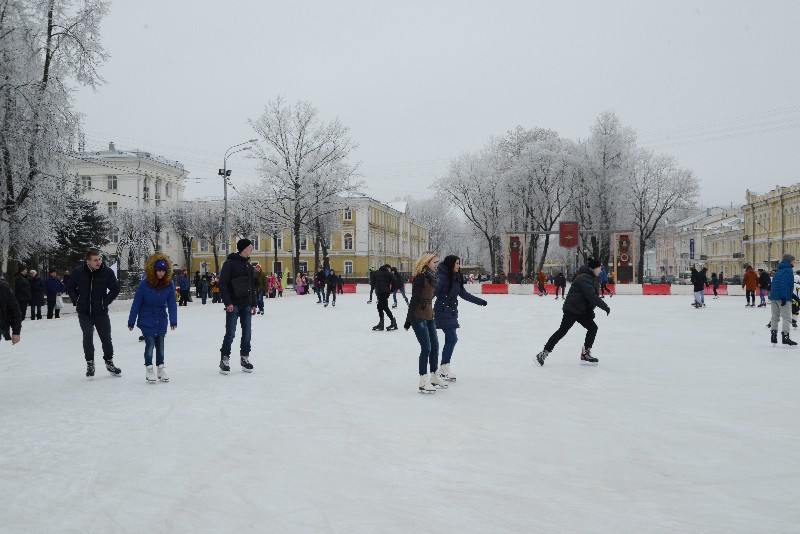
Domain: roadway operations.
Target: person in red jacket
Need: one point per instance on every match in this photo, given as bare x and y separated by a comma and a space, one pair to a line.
749, 284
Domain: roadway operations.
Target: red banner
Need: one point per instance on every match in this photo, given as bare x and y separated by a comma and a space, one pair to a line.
568, 234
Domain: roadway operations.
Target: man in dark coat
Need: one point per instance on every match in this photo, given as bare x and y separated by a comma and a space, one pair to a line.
384, 284
399, 285
37, 295
185, 287
197, 278
579, 308
319, 284
239, 297
560, 281
54, 288
372, 274
22, 290
92, 287
10, 315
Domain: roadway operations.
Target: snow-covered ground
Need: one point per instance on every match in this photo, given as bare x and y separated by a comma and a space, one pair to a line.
689, 424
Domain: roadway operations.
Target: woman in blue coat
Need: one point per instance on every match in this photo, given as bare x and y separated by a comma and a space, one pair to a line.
445, 309
154, 296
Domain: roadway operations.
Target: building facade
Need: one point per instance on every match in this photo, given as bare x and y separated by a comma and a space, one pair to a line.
131, 179
771, 226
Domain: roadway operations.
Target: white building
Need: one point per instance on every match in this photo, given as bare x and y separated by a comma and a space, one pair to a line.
132, 179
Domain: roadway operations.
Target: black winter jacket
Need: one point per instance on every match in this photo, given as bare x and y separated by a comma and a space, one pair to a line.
560, 280
92, 291
22, 289
384, 281
699, 280
10, 314
37, 291
331, 280
582, 295
232, 288
763, 280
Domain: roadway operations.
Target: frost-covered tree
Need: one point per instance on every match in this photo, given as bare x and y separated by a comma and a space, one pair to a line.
211, 226
134, 227
438, 216
183, 218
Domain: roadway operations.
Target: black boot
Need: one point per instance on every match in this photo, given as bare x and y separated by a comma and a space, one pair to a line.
393, 325
773, 337
378, 326
785, 339
89, 367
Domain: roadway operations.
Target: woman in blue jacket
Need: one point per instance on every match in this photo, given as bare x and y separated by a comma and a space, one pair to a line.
445, 309
154, 296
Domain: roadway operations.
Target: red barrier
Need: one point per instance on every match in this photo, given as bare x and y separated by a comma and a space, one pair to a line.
656, 289
550, 288
494, 289
611, 288
348, 288
721, 290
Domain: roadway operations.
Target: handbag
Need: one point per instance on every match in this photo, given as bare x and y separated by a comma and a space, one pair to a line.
59, 302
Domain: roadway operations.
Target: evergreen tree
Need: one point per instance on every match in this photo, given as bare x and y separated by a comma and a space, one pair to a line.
88, 228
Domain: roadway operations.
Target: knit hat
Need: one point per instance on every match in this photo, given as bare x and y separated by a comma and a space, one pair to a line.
160, 265
788, 257
243, 244
593, 263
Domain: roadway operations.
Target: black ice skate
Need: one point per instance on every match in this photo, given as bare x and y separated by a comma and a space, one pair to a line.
116, 371
794, 323
378, 327
247, 367
392, 326
542, 356
773, 338
89, 368
587, 358
786, 340
224, 365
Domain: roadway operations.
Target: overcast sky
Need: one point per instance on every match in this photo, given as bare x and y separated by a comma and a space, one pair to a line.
716, 84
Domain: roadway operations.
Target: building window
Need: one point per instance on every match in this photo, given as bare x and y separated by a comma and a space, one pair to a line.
112, 208
203, 245
166, 237
303, 266
254, 239
168, 189
113, 236
86, 182
279, 243
304, 242
348, 267
348, 241
348, 214
112, 181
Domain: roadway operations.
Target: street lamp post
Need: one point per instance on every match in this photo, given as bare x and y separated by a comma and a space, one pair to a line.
769, 245
225, 173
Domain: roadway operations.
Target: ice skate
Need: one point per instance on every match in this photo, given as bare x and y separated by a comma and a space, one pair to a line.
542, 356
587, 358
786, 340
333, 304
369, 301
116, 371
162, 373
774, 337
378, 327
445, 373
326, 305
89, 368
247, 367
794, 323
394, 305
225, 365
392, 326
150, 375
425, 385
437, 382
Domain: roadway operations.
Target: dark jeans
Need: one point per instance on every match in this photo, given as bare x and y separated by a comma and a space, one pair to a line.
320, 293
260, 297
749, 295
371, 291
560, 288
331, 291
428, 344
103, 325
243, 315
383, 306
567, 321
184, 297
715, 290
450, 340
603, 288
52, 308
36, 311
203, 297
402, 291
542, 290
149, 343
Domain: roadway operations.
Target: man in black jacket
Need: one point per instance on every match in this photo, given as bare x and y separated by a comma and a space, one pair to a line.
384, 284
579, 308
10, 315
22, 290
239, 297
92, 288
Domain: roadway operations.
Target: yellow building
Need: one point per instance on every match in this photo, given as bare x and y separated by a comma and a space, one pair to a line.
771, 226
371, 234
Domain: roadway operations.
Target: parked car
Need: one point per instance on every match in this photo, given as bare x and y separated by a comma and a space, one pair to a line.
735, 280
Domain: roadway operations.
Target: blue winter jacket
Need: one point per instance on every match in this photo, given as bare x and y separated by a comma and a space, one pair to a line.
53, 287
184, 284
150, 307
782, 283
603, 275
445, 308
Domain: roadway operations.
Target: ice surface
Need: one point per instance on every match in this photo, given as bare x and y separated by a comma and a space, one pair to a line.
689, 424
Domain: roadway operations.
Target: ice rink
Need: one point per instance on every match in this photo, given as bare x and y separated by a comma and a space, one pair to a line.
689, 424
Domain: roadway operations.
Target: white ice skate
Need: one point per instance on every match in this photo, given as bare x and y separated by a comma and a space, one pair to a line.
437, 382
150, 375
446, 373
162, 373
425, 385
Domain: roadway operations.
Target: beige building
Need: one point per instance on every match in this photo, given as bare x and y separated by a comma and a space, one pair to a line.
771, 226
371, 234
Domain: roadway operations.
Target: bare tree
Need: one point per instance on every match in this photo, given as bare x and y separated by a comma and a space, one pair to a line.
210, 226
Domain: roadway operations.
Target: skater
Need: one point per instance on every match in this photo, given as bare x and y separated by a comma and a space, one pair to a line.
579, 308
154, 296
560, 282
37, 295
330, 288
445, 309
54, 289
420, 317
197, 279
780, 297
261, 285
239, 298
604, 283
92, 288
400, 286
384, 282
339, 285
699, 282
10, 314
185, 288
372, 274
764, 285
749, 284
319, 284
540, 278
204, 289
715, 284
22, 290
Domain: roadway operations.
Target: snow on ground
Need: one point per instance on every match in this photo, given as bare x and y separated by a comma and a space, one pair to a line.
689, 424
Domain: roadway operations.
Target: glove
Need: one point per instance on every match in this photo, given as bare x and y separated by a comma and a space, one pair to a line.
407, 325
783, 302
484, 303
608, 312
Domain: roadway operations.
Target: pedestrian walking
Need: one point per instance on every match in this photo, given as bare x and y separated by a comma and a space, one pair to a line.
780, 297
37, 295
445, 309
384, 283
579, 308
92, 288
10, 314
261, 285
185, 287
420, 317
197, 279
22, 290
154, 297
54, 289
238, 296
